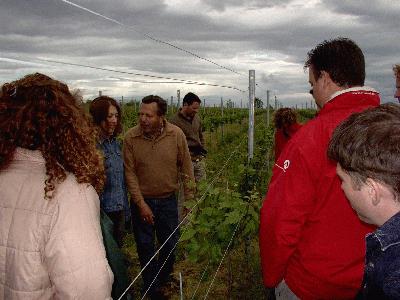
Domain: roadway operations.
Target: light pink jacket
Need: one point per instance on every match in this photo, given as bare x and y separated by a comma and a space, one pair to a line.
49, 249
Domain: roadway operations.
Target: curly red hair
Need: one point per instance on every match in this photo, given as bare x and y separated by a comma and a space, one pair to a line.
40, 113
284, 118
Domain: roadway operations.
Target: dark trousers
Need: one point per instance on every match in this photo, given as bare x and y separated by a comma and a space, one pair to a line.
118, 219
165, 213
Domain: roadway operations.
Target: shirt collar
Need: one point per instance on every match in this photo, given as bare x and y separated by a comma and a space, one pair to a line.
166, 129
103, 139
352, 89
156, 135
180, 113
389, 233
26, 154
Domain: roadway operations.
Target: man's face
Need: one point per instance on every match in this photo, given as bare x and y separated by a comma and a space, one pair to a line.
150, 122
397, 93
317, 87
358, 197
192, 109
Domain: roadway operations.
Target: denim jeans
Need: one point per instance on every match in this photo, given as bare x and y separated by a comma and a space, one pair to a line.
165, 213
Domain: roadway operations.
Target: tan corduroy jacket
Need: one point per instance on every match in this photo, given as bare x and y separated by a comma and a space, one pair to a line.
153, 167
49, 249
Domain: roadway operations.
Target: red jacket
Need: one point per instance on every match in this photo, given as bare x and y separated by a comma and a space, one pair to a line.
281, 139
309, 234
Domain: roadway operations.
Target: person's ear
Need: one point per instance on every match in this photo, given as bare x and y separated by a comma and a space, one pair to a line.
326, 78
373, 189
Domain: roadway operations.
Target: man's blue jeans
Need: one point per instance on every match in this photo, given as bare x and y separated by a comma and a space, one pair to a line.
165, 213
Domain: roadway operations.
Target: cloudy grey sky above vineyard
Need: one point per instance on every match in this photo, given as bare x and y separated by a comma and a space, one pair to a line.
270, 36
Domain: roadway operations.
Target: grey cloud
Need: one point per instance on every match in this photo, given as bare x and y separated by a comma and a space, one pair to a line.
51, 28
252, 4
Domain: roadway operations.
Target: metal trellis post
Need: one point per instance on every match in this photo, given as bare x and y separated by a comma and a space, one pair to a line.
223, 122
252, 92
267, 108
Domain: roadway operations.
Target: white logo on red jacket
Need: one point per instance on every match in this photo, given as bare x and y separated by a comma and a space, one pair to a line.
286, 165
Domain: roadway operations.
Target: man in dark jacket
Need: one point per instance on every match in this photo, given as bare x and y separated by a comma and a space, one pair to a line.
188, 120
311, 241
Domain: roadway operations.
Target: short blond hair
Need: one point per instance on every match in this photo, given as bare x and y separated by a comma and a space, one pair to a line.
396, 70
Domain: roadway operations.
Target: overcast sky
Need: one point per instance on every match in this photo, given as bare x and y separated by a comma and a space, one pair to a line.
270, 36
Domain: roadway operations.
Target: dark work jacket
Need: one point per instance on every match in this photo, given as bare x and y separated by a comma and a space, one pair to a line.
382, 264
193, 132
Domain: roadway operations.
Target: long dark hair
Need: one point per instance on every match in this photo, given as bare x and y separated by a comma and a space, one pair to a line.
99, 111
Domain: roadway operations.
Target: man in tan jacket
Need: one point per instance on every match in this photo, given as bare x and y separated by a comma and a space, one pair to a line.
156, 155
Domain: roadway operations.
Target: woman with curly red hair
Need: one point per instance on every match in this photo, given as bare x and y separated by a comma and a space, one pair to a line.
51, 244
286, 126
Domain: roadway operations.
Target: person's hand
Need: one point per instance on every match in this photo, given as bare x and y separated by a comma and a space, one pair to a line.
146, 214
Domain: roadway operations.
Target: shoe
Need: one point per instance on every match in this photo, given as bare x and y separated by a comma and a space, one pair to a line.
159, 294
170, 282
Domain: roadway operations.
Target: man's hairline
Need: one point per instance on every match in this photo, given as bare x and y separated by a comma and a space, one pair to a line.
158, 109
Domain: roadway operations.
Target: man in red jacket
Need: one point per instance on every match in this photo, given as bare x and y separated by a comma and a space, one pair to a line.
311, 241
